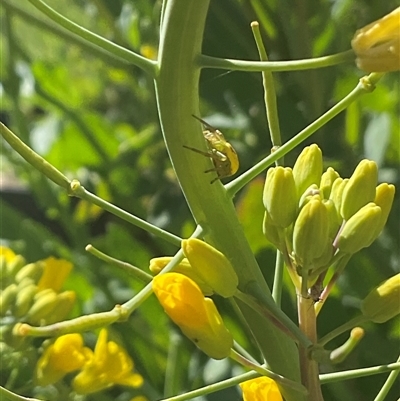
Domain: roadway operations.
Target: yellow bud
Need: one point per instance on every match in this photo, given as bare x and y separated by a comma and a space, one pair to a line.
307, 169
184, 267
44, 304
384, 199
310, 233
197, 316
31, 270
360, 189
14, 265
274, 234
336, 194
280, 199
24, 300
383, 302
327, 180
360, 230
7, 298
62, 308
212, 266
377, 45
261, 389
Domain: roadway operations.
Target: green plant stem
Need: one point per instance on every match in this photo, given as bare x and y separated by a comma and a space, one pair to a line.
356, 373
44, 25
76, 189
282, 382
133, 271
177, 96
366, 85
383, 392
269, 93
145, 64
10, 396
357, 321
278, 277
204, 61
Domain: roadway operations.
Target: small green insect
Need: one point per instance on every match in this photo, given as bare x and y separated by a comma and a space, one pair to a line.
224, 157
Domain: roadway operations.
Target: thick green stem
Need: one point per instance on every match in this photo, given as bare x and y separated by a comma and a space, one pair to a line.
212, 208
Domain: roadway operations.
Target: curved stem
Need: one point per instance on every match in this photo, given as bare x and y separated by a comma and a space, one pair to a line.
366, 85
10, 396
119, 51
204, 61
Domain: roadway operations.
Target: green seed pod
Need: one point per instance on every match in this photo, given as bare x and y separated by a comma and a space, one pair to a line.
279, 198
273, 234
360, 230
7, 298
336, 194
44, 304
184, 267
308, 168
310, 234
24, 299
384, 199
212, 266
383, 302
31, 270
327, 180
360, 189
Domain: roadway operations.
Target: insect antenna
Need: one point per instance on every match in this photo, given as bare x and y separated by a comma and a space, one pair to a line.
204, 123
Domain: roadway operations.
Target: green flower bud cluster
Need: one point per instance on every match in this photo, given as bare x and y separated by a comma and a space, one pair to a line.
311, 215
23, 296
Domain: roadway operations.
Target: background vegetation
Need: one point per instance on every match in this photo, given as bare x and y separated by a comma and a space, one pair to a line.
95, 119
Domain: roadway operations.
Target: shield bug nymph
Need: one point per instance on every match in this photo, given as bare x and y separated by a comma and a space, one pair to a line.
221, 152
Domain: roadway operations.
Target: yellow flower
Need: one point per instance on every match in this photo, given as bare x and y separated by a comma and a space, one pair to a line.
7, 253
377, 45
54, 274
261, 389
65, 355
197, 316
109, 365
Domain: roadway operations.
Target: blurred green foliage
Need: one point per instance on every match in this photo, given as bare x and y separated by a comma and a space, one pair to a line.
95, 119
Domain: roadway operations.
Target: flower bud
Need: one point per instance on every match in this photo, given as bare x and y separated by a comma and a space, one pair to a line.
337, 192
384, 199
360, 189
310, 233
360, 230
274, 234
62, 308
24, 300
14, 265
31, 270
377, 45
308, 168
212, 266
7, 298
44, 303
196, 316
279, 198
383, 302
261, 389
184, 267
327, 180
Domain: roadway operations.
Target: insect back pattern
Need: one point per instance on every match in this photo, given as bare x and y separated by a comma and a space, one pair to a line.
221, 152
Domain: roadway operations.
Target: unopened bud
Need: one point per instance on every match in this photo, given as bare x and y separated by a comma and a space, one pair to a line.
183, 267
384, 199
327, 180
14, 265
383, 302
360, 189
274, 234
308, 168
337, 192
279, 198
44, 303
310, 233
62, 308
31, 270
212, 266
360, 230
24, 299
7, 298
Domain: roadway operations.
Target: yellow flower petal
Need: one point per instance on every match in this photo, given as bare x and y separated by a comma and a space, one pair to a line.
261, 389
54, 274
7, 253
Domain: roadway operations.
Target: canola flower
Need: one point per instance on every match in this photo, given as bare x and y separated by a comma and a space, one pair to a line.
261, 389
109, 365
